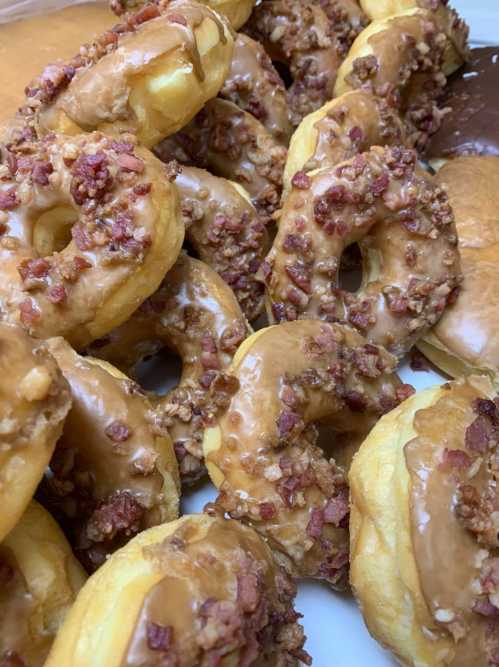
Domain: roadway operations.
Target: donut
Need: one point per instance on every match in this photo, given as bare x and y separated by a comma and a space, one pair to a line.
237, 11
111, 475
34, 401
199, 591
310, 39
255, 86
341, 129
404, 225
196, 314
89, 225
471, 101
465, 340
226, 232
424, 527
233, 144
261, 451
149, 76
404, 59
40, 578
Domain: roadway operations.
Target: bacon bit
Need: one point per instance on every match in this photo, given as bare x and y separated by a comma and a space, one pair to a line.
8, 200
91, 178
130, 163
207, 378
397, 303
41, 172
486, 407
337, 509
81, 237
33, 268
120, 513
316, 523
142, 189
80, 263
301, 181
159, 637
380, 184
177, 18
117, 431
455, 458
146, 13
209, 354
267, 511
404, 392
57, 294
248, 594
286, 422
29, 313
356, 135
122, 147
301, 276
477, 435
279, 311
485, 608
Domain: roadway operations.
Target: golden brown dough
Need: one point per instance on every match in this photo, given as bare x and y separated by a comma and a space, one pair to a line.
39, 579
199, 591
150, 76
261, 451
465, 340
232, 143
34, 401
111, 475
89, 225
408, 242
424, 527
194, 313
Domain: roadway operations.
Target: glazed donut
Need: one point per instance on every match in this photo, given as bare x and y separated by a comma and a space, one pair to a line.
310, 39
34, 401
339, 130
405, 228
89, 225
261, 453
226, 232
424, 527
256, 87
196, 314
465, 340
149, 76
233, 144
237, 11
40, 578
111, 476
199, 591
405, 60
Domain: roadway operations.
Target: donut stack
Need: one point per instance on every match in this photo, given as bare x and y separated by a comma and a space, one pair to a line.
181, 186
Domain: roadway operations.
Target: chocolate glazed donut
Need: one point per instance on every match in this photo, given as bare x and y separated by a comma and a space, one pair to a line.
233, 144
405, 227
261, 452
196, 314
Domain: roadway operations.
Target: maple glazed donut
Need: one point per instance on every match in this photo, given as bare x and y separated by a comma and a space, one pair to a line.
226, 232
233, 144
336, 132
111, 475
149, 76
311, 39
89, 226
424, 527
39, 579
465, 339
261, 452
196, 314
237, 11
199, 591
404, 59
33, 405
404, 225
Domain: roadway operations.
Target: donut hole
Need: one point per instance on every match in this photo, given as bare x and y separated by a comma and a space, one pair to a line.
284, 72
159, 372
52, 230
351, 269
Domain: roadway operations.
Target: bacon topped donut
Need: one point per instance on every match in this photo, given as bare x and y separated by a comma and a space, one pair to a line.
150, 76
425, 527
405, 227
89, 225
194, 313
199, 591
261, 452
111, 475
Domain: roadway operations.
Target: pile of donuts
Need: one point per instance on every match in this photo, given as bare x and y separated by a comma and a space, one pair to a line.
201, 179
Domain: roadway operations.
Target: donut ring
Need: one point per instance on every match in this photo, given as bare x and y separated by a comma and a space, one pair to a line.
202, 587
124, 220
261, 452
423, 486
149, 76
465, 340
111, 476
311, 39
236, 11
195, 313
40, 579
339, 130
233, 144
33, 405
255, 86
405, 228
224, 229
405, 60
